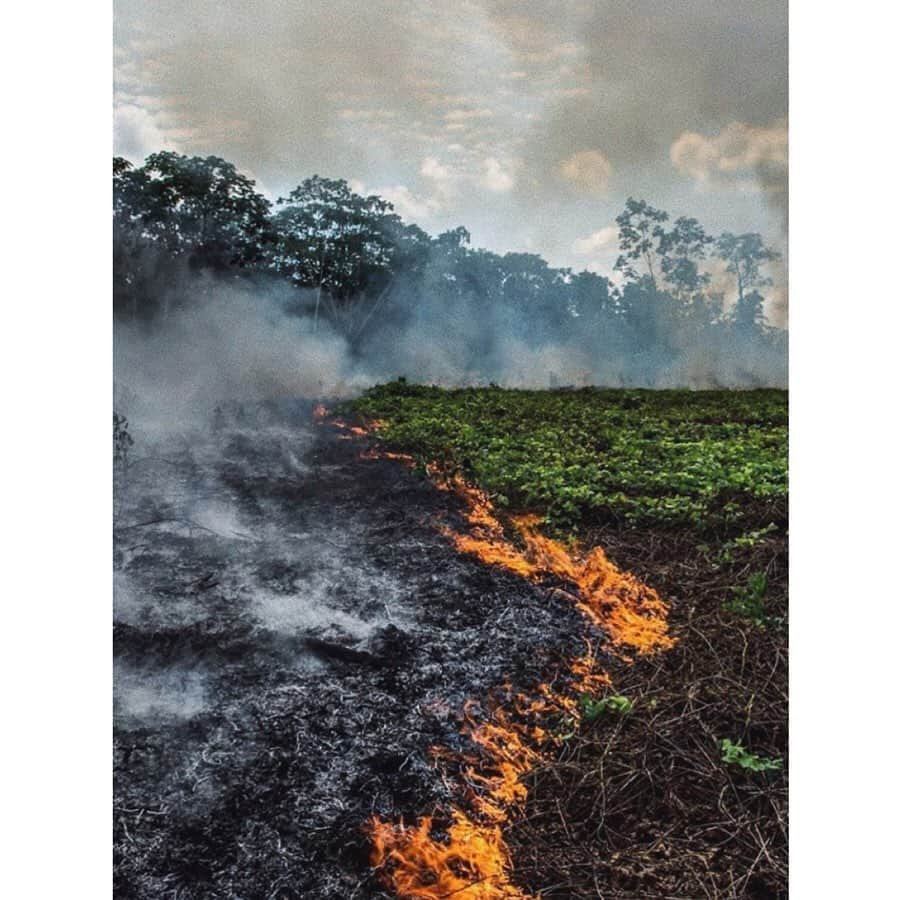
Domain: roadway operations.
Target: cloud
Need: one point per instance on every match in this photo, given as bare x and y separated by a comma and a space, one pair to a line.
656, 70
432, 168
409, 206
139, 130
738, 153
497, 176
596, 242
136, 133
588, 170
739, 157
463, 115
442, 180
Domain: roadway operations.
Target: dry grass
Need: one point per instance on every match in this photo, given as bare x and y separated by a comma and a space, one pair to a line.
642, 806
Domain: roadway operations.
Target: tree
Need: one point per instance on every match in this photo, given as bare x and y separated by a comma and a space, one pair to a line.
202, 208
359, 263
681, 250
640, 233
540, 293
744, 256
591, 298
337, 242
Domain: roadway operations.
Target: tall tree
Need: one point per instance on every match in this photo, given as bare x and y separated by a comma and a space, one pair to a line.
640, 233
335, 241
682, 249
200, 207
744, 256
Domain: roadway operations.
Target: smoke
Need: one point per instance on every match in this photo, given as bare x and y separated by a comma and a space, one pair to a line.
233, 344
739, 157
143, 693
225, 343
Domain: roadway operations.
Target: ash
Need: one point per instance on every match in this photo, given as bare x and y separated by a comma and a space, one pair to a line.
291, 635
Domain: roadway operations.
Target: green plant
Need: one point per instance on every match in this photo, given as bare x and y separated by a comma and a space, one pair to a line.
749, 600
735, 754
592, 709
565, 729
746, 540
697, 458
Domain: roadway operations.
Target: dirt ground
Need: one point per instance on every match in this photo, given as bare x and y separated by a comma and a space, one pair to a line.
643, 807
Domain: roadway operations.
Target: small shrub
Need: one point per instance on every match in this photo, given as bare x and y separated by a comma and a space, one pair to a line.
592, 709
749, 601
736, 754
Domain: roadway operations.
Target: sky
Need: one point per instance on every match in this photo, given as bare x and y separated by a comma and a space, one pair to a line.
528, 121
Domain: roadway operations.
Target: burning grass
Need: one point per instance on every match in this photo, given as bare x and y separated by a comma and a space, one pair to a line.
470, 858
643, 804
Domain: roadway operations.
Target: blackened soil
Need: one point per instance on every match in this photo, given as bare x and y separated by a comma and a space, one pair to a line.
292, 633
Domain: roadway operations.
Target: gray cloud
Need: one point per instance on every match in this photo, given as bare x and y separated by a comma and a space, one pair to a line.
655, 69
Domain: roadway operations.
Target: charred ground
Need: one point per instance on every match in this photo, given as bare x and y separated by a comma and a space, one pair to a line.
291, 636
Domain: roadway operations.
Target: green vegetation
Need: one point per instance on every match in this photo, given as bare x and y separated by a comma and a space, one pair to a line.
699, 458
592, 709
749, 600
735, 754
749, 539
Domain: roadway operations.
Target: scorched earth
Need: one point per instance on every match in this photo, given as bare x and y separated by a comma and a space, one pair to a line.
298, 641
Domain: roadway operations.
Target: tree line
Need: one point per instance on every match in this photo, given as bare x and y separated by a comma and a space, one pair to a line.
359, 267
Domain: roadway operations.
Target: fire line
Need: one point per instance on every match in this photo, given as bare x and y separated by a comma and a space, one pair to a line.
468, 858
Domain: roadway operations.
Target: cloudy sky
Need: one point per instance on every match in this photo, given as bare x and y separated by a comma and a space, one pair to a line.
528, 121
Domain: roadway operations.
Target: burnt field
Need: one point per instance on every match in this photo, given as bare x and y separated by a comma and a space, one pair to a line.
292, 633
341, 671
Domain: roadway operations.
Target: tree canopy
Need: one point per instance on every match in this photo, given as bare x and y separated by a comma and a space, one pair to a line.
355, 263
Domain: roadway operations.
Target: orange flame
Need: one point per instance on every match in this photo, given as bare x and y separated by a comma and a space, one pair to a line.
472, 860
472, 864
372, 453
630, 612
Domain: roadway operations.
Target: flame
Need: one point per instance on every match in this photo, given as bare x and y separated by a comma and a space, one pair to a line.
372, 453
469, 859
472, 864
631, 613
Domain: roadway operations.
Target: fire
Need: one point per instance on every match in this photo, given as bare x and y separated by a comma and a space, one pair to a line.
469, 859
472, 864
404, 458
321, 414
472, 859
630, 612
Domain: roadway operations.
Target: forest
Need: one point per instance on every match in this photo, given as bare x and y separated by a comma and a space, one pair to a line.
682, 307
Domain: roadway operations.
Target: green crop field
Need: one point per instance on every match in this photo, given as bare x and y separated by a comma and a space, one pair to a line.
706, 459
